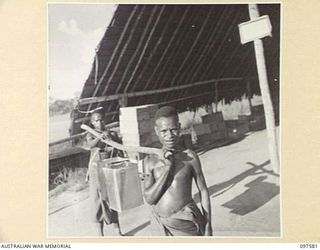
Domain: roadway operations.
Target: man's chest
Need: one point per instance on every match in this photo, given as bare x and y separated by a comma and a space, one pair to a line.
180, 170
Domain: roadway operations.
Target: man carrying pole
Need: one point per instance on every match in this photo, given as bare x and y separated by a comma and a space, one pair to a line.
168, 182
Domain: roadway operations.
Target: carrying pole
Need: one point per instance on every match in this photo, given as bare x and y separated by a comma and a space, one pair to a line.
266, 97
144, 150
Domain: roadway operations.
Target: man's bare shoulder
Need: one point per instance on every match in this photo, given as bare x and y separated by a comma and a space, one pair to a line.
89, 136
191, 154
193, 159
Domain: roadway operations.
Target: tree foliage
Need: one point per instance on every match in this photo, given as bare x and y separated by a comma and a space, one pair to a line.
60, 107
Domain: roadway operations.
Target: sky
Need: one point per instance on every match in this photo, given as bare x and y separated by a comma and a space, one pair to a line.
74, 31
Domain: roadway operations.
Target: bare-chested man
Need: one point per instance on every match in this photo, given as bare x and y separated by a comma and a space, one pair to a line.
168, 183
100, 212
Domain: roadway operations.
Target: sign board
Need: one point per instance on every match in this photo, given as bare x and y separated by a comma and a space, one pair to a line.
255, 29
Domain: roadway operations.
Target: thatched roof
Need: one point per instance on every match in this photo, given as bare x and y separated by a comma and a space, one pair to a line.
151, 47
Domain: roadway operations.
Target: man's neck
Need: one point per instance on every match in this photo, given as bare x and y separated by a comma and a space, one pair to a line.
173, 150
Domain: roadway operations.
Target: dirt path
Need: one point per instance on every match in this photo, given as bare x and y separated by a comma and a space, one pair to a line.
243, 190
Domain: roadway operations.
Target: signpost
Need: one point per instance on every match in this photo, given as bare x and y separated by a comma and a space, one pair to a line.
253, 30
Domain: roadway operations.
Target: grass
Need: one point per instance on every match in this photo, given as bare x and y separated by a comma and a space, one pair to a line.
68, 180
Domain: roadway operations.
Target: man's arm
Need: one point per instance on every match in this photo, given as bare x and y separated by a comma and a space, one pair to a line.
203, 191
115, 137
153, 189
93, 141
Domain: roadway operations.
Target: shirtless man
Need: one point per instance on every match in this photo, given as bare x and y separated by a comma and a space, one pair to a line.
168, 182
100, 212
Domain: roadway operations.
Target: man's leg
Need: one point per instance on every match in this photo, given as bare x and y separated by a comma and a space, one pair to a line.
117, 227
115, 220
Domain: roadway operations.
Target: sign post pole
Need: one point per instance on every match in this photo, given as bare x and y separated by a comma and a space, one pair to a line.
265, 92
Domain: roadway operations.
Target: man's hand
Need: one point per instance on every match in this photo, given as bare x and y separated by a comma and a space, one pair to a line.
168, 155
105, 135
168, 158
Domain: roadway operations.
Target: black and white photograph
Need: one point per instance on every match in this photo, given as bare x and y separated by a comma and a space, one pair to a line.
164, 120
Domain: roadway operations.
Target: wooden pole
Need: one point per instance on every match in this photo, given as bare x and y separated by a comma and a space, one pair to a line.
216, 96
96, 99
78, 120
96, 66
265, 92
249, 94
119, 146
209, 109
123, 101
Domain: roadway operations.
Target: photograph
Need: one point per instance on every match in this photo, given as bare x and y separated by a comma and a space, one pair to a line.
164, 120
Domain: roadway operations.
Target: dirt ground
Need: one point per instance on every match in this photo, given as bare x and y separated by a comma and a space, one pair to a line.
244, 193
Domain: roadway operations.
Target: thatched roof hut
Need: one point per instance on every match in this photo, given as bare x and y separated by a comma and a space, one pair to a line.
149, 49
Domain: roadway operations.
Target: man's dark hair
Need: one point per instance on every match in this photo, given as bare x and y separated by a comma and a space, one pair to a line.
166, 111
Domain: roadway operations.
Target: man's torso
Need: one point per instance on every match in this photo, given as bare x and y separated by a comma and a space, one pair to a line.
102, 150
178, 186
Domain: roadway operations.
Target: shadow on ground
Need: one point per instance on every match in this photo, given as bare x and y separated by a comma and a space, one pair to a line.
218, 189
201, 149
137, 229
258, 194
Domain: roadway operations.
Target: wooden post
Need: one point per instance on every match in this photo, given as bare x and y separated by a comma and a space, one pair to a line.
216, 96
96, 66
209, 109
265, 92
123, 101
249, 95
